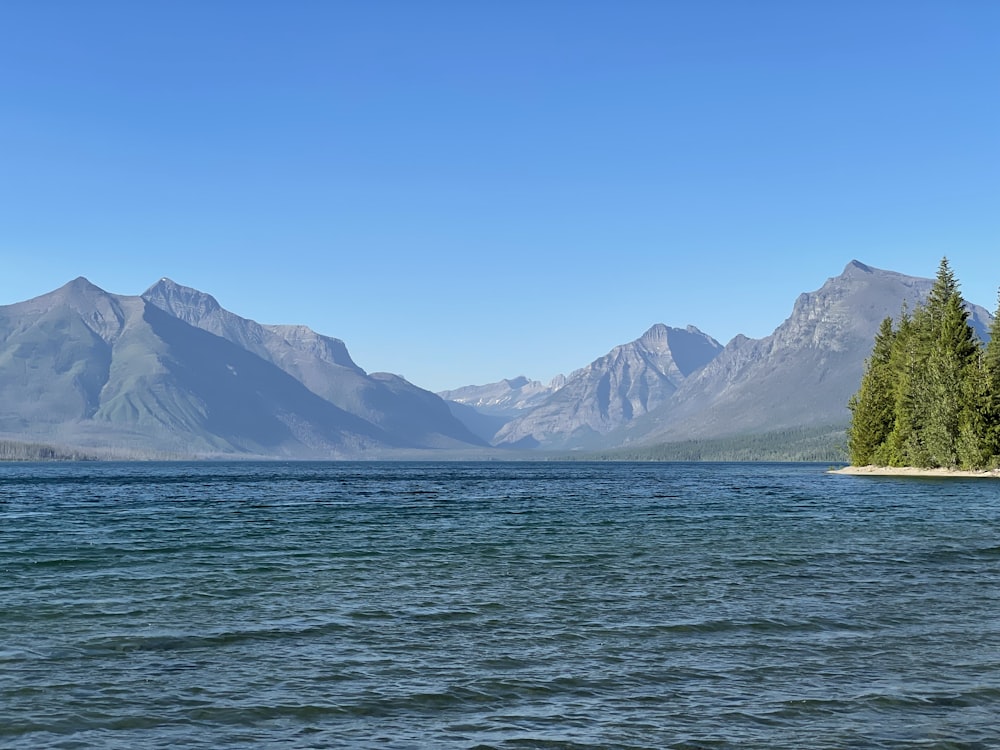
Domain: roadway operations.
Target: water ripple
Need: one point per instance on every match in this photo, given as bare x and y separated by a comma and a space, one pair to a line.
495, 606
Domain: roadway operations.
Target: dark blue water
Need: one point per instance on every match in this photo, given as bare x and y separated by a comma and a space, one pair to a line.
496, 606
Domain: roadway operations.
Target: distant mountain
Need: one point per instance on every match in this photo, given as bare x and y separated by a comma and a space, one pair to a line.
80, 366
506, 397
485, 409
625, 384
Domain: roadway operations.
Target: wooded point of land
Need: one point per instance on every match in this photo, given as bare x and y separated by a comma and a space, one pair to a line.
930, 394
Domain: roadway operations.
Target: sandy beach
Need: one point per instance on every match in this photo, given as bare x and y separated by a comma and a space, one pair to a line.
910, 471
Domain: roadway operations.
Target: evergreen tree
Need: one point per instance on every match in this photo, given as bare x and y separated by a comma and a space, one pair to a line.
940, 352
973, 451
873, 412
951, 359
990, 435
930, 394
903, 445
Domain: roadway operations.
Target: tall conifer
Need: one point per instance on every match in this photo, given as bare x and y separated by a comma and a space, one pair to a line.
873, 406
991, 395
904, 446
930, 394
951, 350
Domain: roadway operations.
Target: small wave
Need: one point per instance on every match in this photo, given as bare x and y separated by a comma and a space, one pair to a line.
194, 642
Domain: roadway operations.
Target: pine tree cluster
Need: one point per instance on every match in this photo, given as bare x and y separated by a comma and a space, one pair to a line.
930, 394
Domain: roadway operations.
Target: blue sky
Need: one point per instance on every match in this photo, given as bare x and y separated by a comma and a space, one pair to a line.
465, 191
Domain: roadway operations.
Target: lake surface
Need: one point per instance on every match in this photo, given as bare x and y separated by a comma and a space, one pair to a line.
495, 605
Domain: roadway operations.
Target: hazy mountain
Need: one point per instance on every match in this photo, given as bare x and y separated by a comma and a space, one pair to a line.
81, 366
506, 397
609, 393
485, 409
802, 374
416, 416
171, 371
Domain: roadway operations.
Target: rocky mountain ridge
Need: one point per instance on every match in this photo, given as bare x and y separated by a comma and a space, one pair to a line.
171, 371
325, 367
805, 372
507, 397
802, 375
626, 383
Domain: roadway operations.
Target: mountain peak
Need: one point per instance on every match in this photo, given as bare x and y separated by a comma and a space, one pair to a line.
171, 370
655, 331
79, 294
519, 382
855, 266
166, 283
182, 301
80, 285
614, 390
689, 348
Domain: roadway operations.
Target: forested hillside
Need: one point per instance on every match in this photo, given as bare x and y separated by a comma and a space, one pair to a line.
823, 444
930, 394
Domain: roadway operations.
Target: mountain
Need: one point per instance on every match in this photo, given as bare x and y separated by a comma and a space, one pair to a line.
485, 409
413, 415
803, 374
505, 398
668, 387
628, 382
171, 372
80, 366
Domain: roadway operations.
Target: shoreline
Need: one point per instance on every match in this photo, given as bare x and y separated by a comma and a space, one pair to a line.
912, 471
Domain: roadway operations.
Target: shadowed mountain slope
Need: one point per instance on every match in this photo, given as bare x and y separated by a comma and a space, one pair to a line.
322, 364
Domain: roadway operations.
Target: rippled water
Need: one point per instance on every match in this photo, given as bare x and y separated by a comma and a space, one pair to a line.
538, 605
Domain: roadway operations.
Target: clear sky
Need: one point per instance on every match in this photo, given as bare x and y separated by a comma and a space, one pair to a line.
465, 191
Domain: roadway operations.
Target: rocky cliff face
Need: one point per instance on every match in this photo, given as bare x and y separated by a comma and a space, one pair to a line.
612, 391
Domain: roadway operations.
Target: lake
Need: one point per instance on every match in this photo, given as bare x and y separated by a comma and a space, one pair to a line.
496, 605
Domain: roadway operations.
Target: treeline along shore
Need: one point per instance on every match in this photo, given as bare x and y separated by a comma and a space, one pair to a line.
930, 394
16, 450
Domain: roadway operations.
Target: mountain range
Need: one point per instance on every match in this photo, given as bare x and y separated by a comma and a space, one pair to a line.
172, 373
673, 385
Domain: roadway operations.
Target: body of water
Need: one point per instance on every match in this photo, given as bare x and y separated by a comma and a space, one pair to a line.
496, 605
